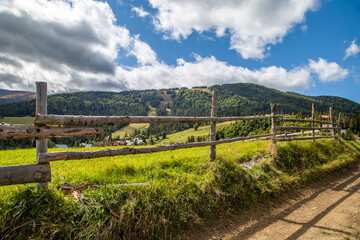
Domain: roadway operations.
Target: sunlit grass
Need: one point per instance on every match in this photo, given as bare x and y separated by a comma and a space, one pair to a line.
185, 188
181, 137
18, 120
129, 130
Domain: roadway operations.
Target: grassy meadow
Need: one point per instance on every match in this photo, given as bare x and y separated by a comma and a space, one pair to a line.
185, 188
18, 120
181, 137
129, 129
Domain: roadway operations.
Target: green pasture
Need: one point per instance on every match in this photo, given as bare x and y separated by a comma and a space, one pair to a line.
18, 120
182, 136
129, 129
185, 188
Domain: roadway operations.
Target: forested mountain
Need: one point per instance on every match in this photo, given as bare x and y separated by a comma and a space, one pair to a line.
86, 103
234, 99
249, 99
240, 99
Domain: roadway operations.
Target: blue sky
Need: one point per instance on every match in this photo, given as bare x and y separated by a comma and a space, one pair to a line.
310, 47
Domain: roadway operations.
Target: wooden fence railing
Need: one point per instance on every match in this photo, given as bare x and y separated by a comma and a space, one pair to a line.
41, 172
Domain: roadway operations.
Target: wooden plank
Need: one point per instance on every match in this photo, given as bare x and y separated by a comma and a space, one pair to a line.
338, 124
312, 118
30, 173
13, 131
300, 128
41, 108
273, 122
302, 138
332, 122
67, 188
50, 119
301, 120
73, 155
213, 125
296, 133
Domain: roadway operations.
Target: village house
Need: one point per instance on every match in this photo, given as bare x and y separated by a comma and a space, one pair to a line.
326, 118
61, 146
86, 145
138, 140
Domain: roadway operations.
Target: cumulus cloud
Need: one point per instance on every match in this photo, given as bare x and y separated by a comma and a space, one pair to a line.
143, 52
210, 71
253, 25
140, 11
75, 45
328, 71
352, 50
56, 40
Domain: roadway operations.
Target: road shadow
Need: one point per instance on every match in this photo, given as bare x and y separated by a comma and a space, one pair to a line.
250, 231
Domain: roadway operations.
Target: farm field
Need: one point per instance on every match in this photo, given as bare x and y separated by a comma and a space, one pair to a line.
185, 188
181, 137
18, 120
129, 129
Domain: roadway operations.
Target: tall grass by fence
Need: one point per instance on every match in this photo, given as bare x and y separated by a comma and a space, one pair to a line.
41, 172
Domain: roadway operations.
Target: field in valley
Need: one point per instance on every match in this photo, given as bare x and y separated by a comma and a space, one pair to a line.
18, 120
182, 136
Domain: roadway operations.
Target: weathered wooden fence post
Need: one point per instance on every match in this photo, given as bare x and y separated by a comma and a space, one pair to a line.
338, 125
273, 123
41, 107
313, 118
332, 122
213, 124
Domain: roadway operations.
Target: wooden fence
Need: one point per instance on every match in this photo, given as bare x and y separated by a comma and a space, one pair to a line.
41, 172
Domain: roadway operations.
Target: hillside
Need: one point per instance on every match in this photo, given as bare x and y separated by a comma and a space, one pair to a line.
234, 99
185, 189
8, 96
253, 99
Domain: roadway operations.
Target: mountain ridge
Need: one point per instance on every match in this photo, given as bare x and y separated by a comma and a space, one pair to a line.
234, 99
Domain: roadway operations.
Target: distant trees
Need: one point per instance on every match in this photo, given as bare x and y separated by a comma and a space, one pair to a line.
234, 100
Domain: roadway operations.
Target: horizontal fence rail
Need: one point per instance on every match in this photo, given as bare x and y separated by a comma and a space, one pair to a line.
303, 128
302, 120
50, 119
301, 138
29, 173
73, 155
14, 131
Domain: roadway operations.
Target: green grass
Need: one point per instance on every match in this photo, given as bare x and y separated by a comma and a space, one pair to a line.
185, 188
181, 137
18, 120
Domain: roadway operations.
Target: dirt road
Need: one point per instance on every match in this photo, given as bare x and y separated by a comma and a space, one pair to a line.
329, 209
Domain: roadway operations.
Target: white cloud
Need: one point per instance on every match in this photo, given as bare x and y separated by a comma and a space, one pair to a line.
70, 44
210, 71
140, 11
352, 50
74, 46
143, 52
253, 25
328, 71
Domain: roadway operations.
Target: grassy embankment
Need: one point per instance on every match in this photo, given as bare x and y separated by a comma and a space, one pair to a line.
185, 188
